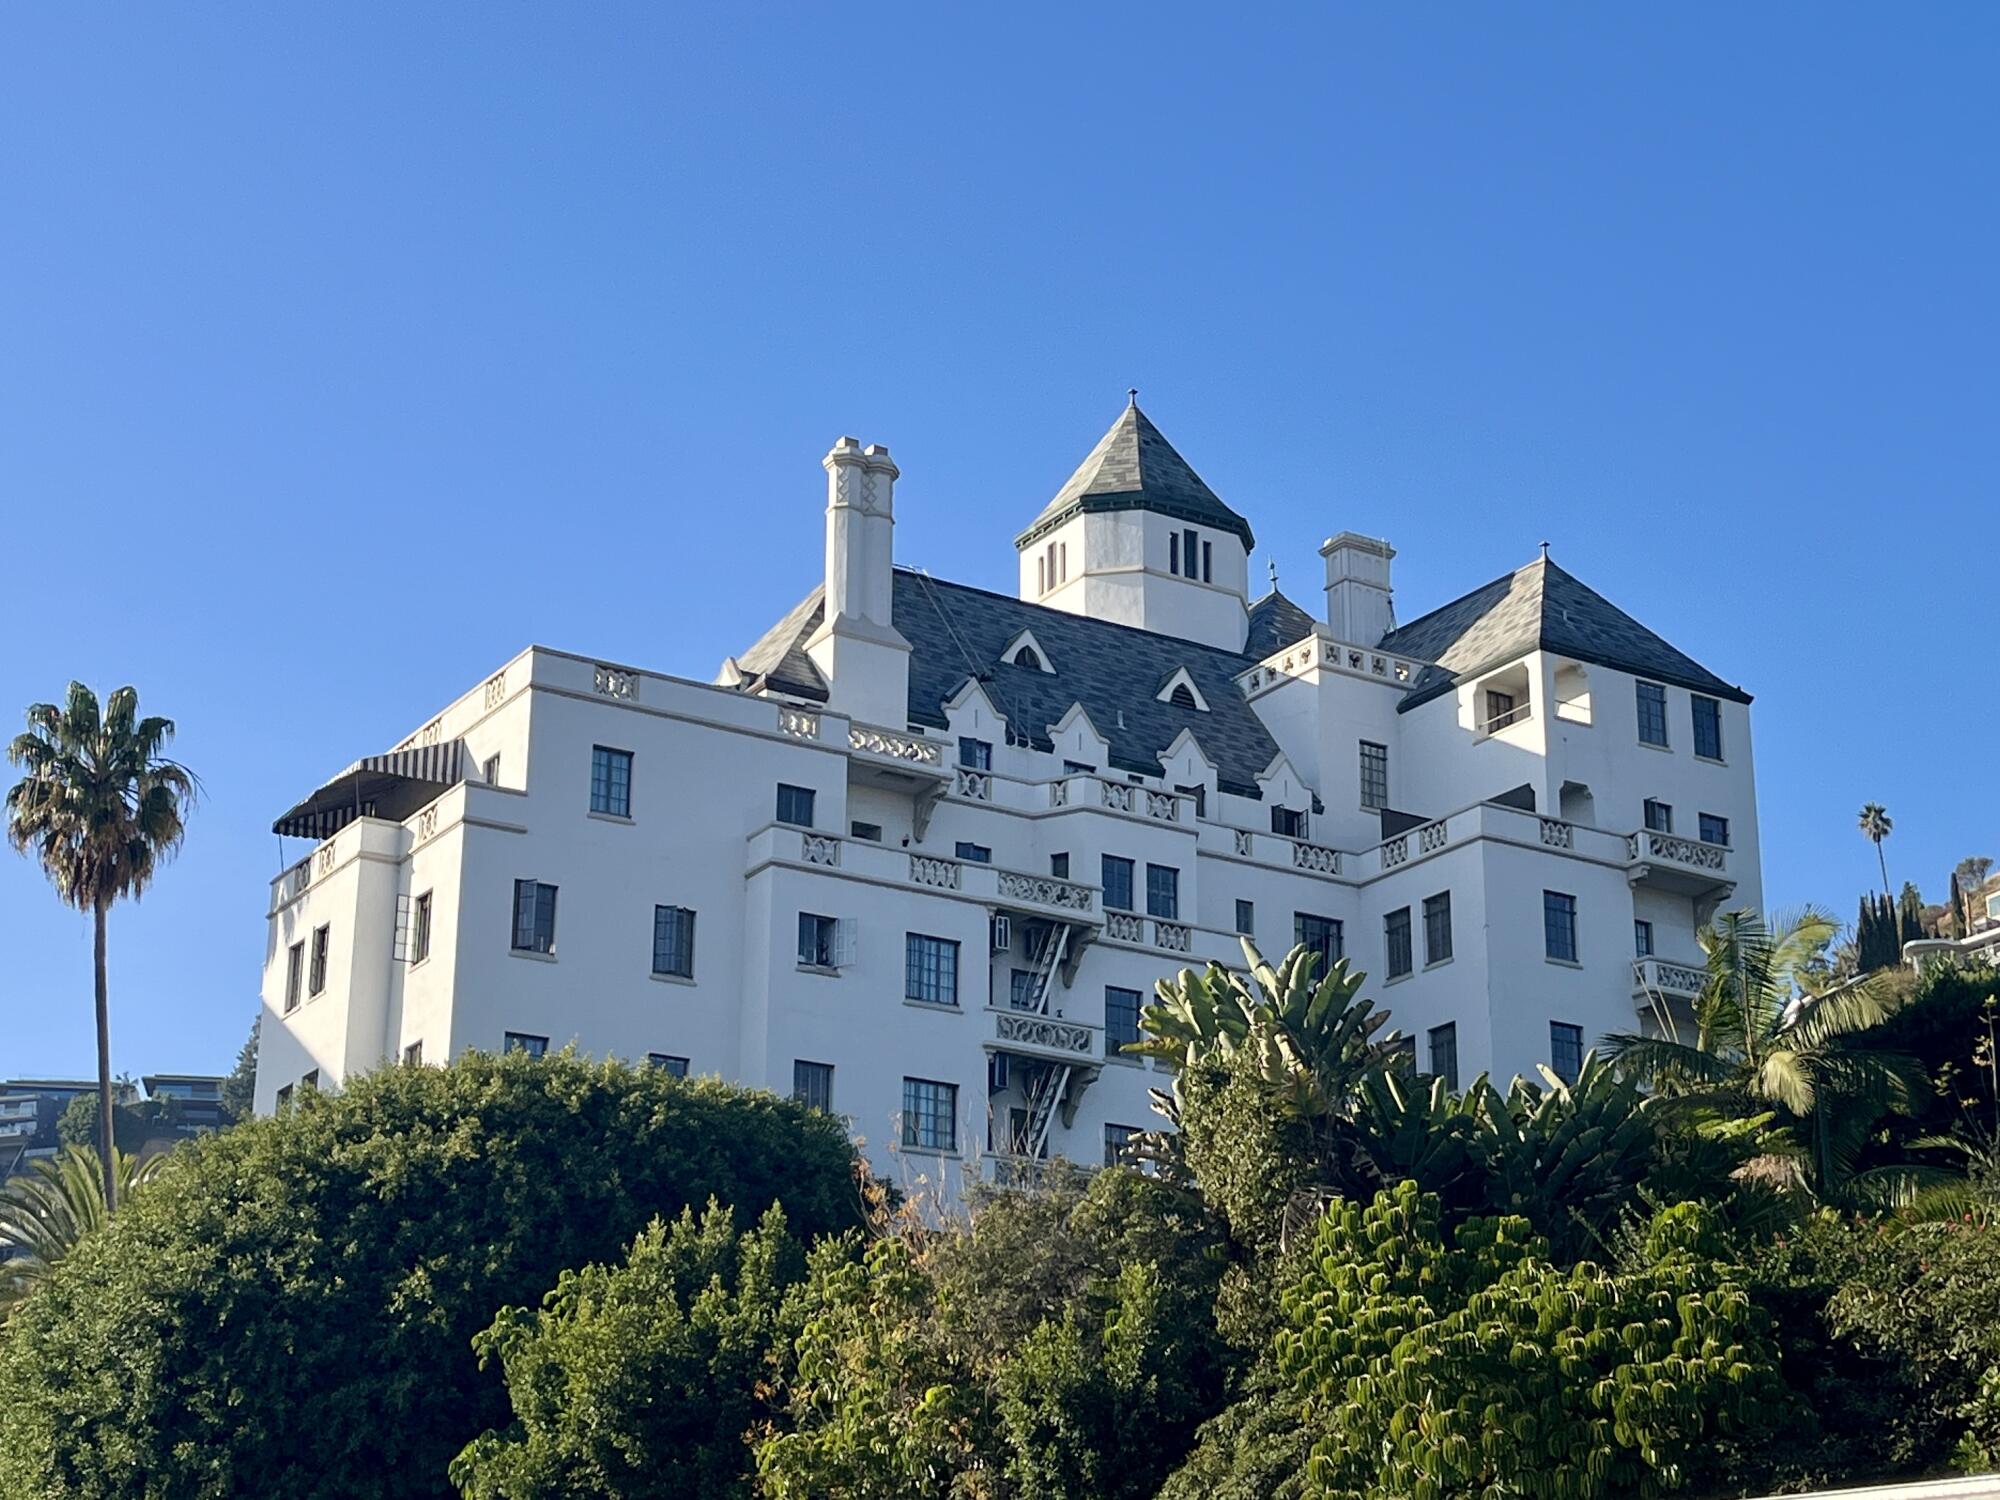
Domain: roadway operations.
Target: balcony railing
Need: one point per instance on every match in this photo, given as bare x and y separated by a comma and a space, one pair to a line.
1655, 976
1501, 721
1035, 1035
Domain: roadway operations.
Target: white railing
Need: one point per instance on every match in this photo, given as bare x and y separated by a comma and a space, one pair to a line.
1395, 851
800, 723
941, 874
1175, 937
977, 785
1318, 858
1652, 974
1125, 926
1501, 721
1018, 1028
1557, 834
895, 746
1046, 890
819, 848
1432, 836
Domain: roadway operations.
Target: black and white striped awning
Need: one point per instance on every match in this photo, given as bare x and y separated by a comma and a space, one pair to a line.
391, 786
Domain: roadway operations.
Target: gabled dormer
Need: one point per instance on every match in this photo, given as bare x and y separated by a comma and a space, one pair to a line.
1025, 651
1077, 741
1179, 689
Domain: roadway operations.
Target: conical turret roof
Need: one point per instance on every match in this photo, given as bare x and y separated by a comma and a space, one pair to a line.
1134, 467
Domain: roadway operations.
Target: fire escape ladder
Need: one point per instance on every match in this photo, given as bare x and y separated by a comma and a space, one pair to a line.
1043, 1100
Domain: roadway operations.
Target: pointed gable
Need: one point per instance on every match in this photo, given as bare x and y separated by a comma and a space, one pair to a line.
1134, 467
1275, 622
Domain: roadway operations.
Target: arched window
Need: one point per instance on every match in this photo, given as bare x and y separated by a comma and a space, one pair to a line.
1184, 697
1026, 657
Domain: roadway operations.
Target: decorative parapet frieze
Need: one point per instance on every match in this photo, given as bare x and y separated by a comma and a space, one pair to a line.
1052, 1035
323, 861
1557, 834
1164, 806
1058, 794
1682, 851
1671, 979
1311, 654
1124, 926
427, 823
1119, 796
976, 786
941, 874
1317, 858
615, 682
1046, 890
1431, 836
799, 723
819, 848
1246, 843
1395, 851
896, 746
496, 690
1175, 937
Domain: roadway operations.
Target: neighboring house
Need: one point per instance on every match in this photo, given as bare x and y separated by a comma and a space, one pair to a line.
1980, 945
196, 1101
30, 1109
920, 853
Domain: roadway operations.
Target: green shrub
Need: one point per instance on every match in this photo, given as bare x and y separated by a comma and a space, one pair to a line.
289, 1309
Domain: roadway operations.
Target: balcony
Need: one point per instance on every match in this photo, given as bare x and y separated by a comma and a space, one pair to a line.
1116, 796
890, 758
1029, 1033
1010, 890
1687, 867
1657, 976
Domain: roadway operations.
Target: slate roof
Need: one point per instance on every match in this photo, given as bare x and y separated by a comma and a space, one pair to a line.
779, 659
1133, 467
957, 632
1275, 622
1540, 607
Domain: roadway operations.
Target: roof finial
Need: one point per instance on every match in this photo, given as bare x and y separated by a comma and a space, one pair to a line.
1132, 395
1274, 575
1545, 551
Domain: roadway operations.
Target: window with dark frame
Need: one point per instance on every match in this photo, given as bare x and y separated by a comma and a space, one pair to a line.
1714, 830
1444, 1053
812, 1084
867, 832
1290, 822
1163, 892
522, 1041
1246, 918
1021, 989
668, 1063
1396, 937
1117, 1141
534, 917
1121, 1019
1189, 553
413, 1055
1374, 775
975, 755
295, 976
322, 943
1322, 935
1059, 866
611, 781
1173, 552
1207, 561
1078, 768
673, 941
1659, 816
1707, 727
284, 1096
1402, 1055
420, 929
1199, 794
795, 805
1652, 701
490, 772
1499, 710
819, 940
1437, 927
930, 969
1565, 1050
310, 1080
978, 854
1117, 883
1559, 926
930, 1114
1642, 937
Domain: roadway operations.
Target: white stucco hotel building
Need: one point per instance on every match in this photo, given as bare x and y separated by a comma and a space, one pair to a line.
920, 852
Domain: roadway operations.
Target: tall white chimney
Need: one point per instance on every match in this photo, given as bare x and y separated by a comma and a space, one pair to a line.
1359, 601
857, 646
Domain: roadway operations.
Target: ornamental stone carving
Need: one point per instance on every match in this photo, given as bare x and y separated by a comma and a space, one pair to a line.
1164, 806
1395, 851
800, 723
1175, 937
897, 746
1117, 795
1045, 890
819, 849
1045, 1032
1558, 835
615, 682
1244, 842
1686, 851
1430, 836
928, 870
496, 689
1124, 926
1315, 857
427, 822
975, 785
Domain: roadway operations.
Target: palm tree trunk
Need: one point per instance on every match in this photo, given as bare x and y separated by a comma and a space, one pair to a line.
1883, 860
105, 1146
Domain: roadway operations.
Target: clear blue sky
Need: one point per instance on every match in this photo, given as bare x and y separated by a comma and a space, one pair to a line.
346, 350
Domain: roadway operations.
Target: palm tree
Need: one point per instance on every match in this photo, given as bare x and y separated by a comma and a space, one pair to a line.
47, 1209
1763, 1040
1876, 826
101, 808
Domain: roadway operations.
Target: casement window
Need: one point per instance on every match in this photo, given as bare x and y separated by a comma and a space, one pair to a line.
1714, 830
1173, 552
1500, 710
1444, 1053
868, 832
812, 1084
795, 805
1121, 1019
420, 929
521, 1041
295, 975
1374, 774
1207, 562
1642, 937
930, 969
668, 1063
975, 755
1559, 926
413, 1055
1659, 816
611, 781
1322, 935
1707, 727
1163, 892
825, 942
1190, 552
311, 1080
1246, 918
1437, 927
534, 917
1402, 1055
490, 771
1565, 1050
1117, 883
1652, 699
1117, 1141
978, 854
673, 941
1396, 937
284, 1100
1059, 866
1290, 822
322, 942
930, 1114
1021, 989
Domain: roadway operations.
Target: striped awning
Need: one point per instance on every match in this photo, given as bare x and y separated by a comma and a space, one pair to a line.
391, 786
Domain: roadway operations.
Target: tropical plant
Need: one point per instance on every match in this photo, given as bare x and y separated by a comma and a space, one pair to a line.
101, 808
1875, 827
48, 1208
1762, 1041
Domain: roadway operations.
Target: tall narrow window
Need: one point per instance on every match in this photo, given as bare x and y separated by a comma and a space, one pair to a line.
1207, 562
1374, 774
812, 1084
534, 917
1199, 793
1059, 865
1189, 556
490, 772
1246, 918
420, 929
522, 1041
1642, 937
1659, 816
1652, 700
284, 1098
930, 1114
1173, 552
1403, 1055
1062, 562
1714, 830
1707, 727
1121, 1019
930, 969
1437, 927
975, 755
1396, 936
1117, 1142
295, 975
673, 941
1041, 574
322, 941
1444, 1053
795, 805
1117, 883
413, 1055
1559, 926
1021, 989
1499, 710
1565, 1050
1322, 935
310, 1080
819, 941
611, 781
1163, 892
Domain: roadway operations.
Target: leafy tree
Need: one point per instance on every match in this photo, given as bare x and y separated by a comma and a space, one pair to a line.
135, 1122
1875, 827
101, 808
239, 1089
643, 1380
1909, 915
1468, 1365
289, 1308
48, 1208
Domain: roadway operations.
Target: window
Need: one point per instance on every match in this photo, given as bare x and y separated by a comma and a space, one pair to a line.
1246, 918
1117, 1139
1183, 697
1062, 562
295, 976
1322, 935
1707, 727
1500, 710
1444, 1053
1374, 774
819, 941
491, 770
1163, 891
1659, 816
1714, 830
1652, 714
795, 805
1189, 553
1021, 989
310, 1080
1565, 1050
1200, 795
1207, 562
1078, 768
667, 1063
1121, 1019
812, 1084
413, 1055
1117, 883
930, 969
975, 755
611, 781
673, 941
930, 1114
1559, 926
420, 929
870, 832
285, 1097
1059, 866
1289, 821
1402, 1054
1396, 936
1041, 575
978, 854
1437, 927
1026, 657
534, 917
1642, 937
1173, 552
521, 1041
322, 940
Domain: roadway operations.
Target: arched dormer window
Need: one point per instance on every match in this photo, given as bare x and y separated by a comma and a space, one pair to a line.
1183, 697
1026, 657
1180, 691
1025, 651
